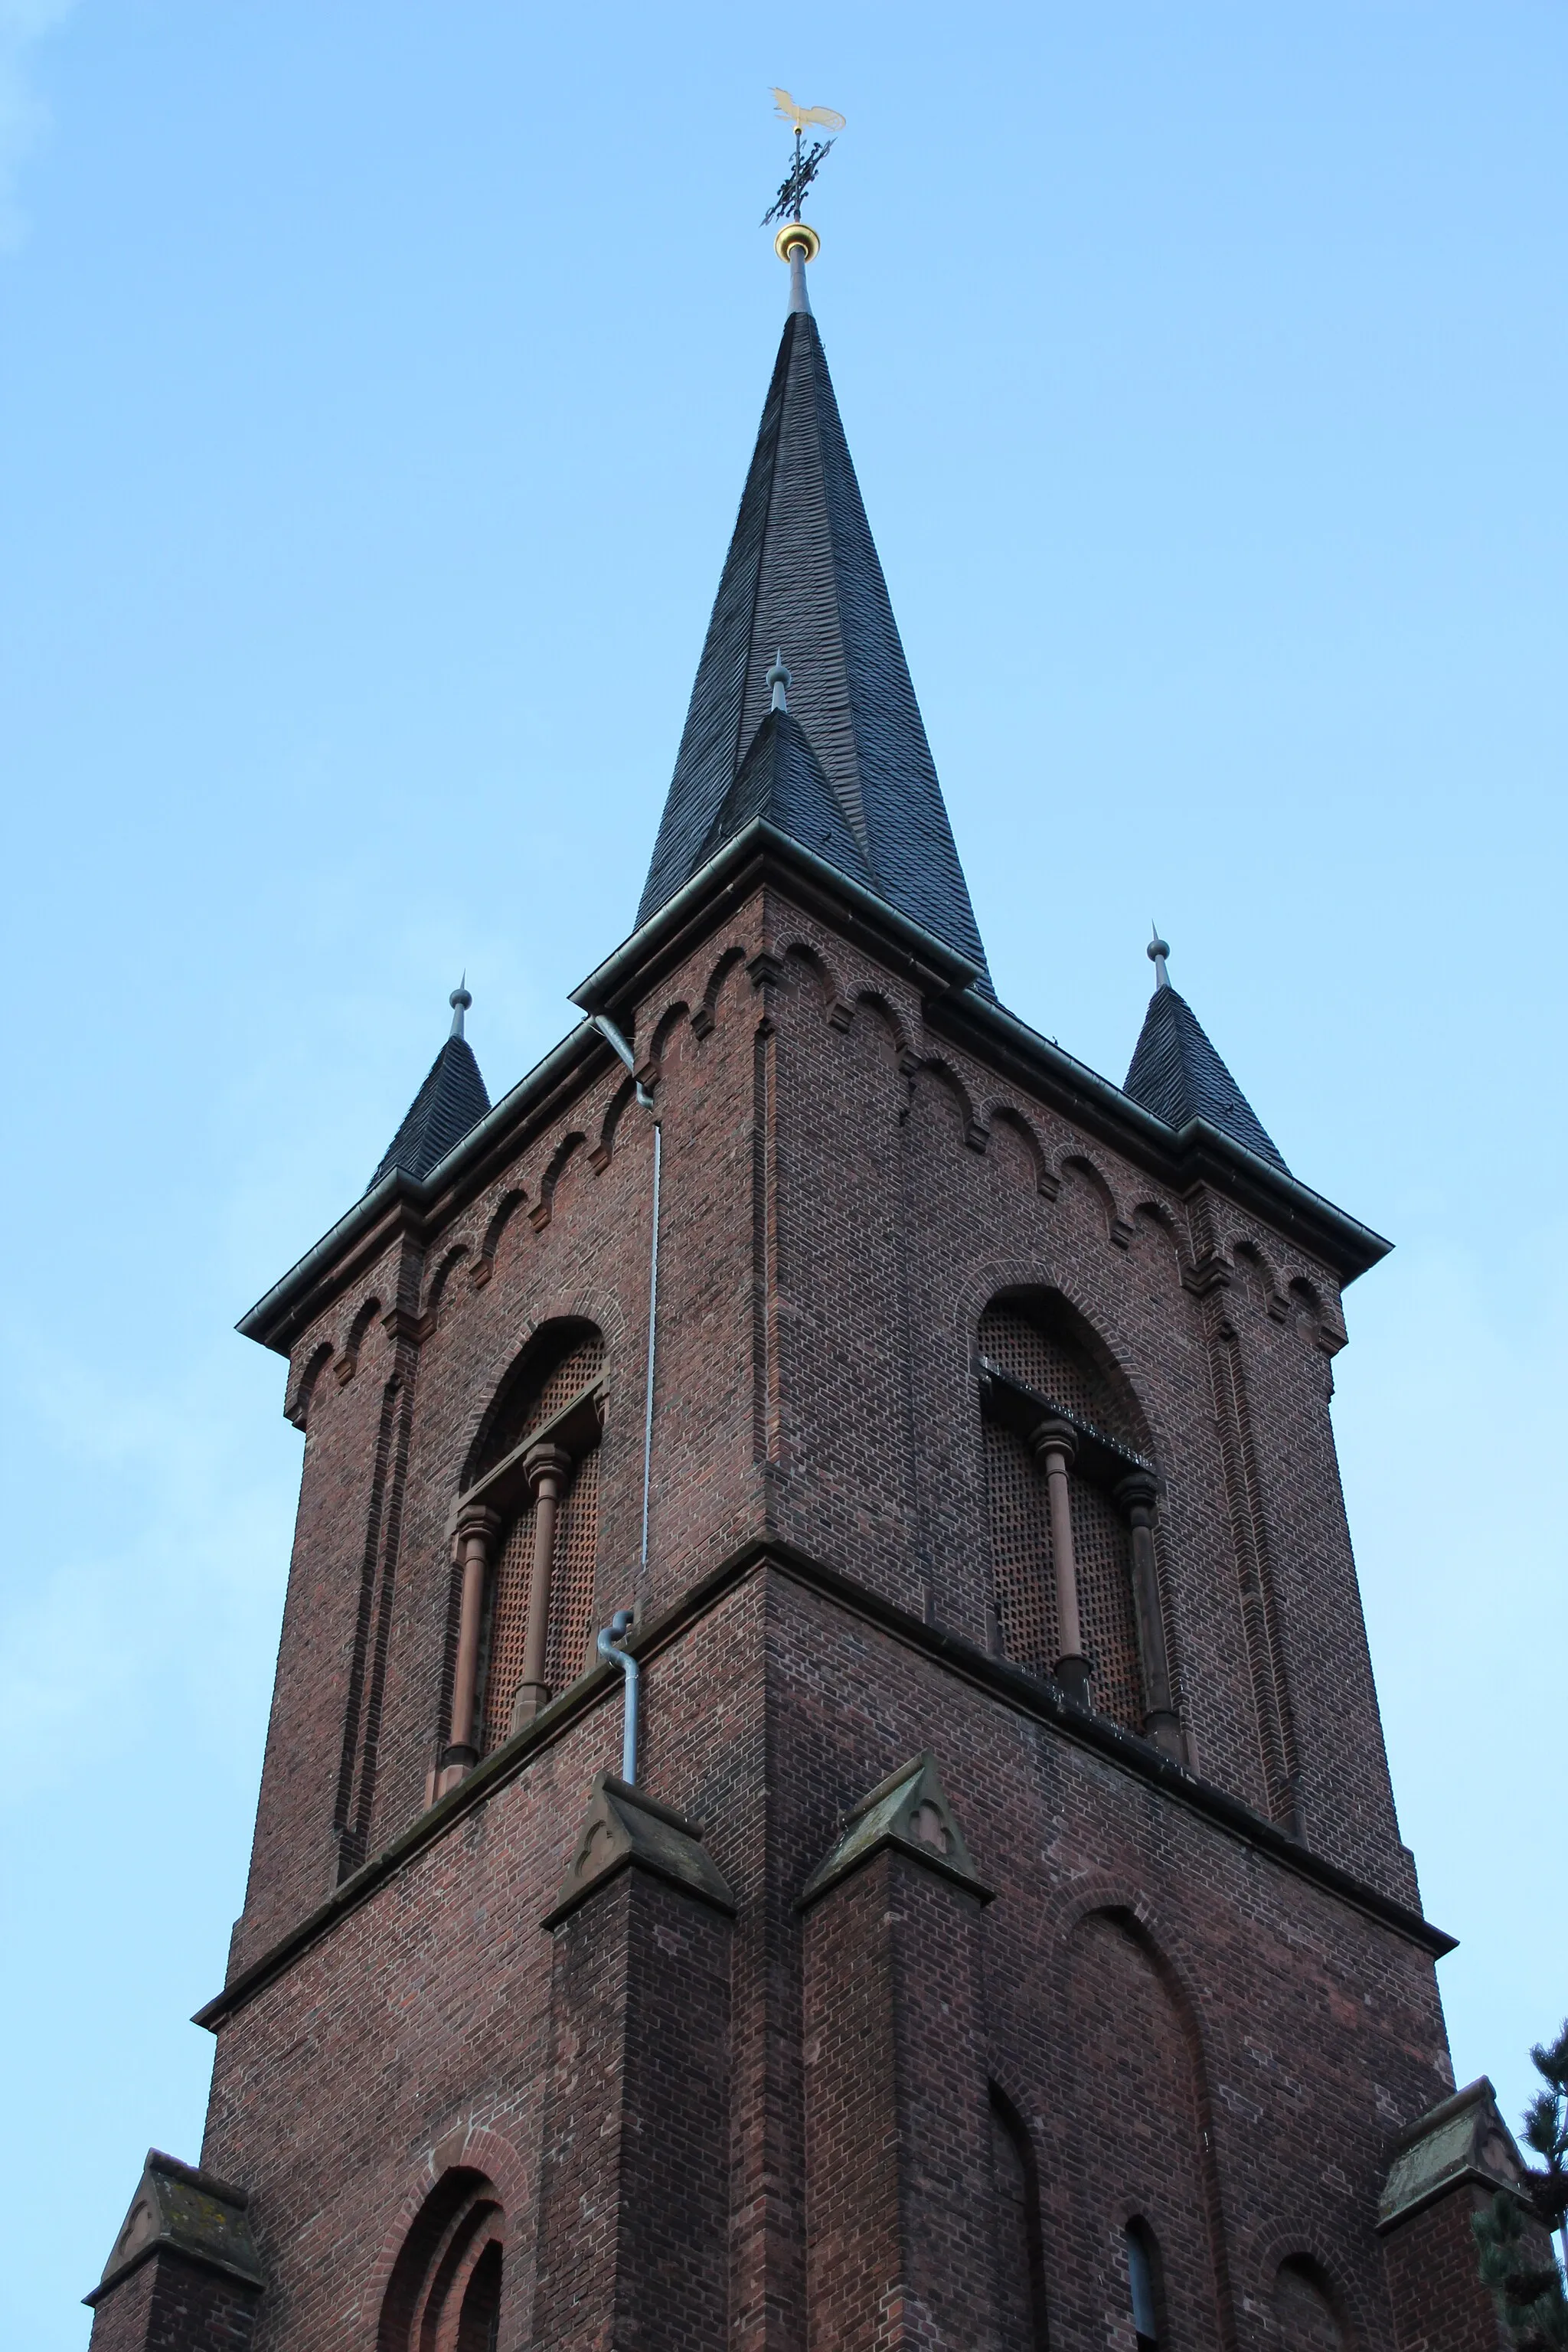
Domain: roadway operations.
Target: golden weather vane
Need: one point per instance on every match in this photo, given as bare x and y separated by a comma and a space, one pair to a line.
808, 161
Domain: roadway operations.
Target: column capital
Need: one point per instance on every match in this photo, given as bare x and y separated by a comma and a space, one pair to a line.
546, 1461
478, 1520
1054, 1436
1139, 1491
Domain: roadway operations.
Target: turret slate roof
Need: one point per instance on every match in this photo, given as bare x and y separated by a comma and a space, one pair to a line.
1177, 1074
782, 779
801, 575
451, 1100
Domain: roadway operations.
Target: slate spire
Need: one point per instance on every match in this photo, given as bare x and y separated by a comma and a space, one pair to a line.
1177, 1074
452, 1101
802, 575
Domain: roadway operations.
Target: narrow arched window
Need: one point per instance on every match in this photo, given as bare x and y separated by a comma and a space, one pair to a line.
1305, 2315
1020, 2264
444, 2292
479, 2317
1037, 1374
1144, 2285
538, 1475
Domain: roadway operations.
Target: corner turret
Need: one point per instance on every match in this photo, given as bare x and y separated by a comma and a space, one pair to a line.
452, 1101
1177, 1074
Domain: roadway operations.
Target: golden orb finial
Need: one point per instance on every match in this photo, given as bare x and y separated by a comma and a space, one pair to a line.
797, 233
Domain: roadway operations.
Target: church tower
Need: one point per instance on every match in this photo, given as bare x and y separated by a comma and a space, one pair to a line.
824, 1791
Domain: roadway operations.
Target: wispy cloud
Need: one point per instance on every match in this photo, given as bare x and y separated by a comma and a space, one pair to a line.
23, 117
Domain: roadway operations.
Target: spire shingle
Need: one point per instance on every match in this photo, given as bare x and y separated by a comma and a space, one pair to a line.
452, 1101
1177, 1074
803, 573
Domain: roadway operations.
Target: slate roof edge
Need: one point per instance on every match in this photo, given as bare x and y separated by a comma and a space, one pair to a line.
596, 993
1041, 1700
1193, 1148
1184, 1155
268, 1317
1349, 1245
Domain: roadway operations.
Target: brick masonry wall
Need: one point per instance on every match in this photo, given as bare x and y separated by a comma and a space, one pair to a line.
822, 1282
1439, 2303
898, 2190
1187, 2029
169, 2304
1232, 2061
634, 2185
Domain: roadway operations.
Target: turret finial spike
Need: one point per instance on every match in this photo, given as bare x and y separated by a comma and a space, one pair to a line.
1156, 952
780, 680
459, 1002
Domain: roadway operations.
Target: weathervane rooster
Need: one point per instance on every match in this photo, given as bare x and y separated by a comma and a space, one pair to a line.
808, 161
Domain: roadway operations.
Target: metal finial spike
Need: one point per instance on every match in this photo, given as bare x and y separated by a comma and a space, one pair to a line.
1156, 952
799, 299
780, 680
459, 1002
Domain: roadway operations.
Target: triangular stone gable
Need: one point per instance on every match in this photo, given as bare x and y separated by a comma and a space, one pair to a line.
909, 1810
623, 1829
191, 2214
1463, 2139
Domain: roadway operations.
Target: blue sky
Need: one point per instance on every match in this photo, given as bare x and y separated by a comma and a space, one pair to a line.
377, 384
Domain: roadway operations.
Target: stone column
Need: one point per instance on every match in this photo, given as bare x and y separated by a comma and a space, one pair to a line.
477, 1531
899, 2197
1137, 1495
634, 2177
1055, 1447
547, 1467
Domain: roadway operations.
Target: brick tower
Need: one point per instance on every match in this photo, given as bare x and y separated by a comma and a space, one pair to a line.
1001, 1936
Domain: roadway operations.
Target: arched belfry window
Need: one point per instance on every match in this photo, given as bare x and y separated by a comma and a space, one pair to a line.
1072, 1496
550, 1420
526, 1537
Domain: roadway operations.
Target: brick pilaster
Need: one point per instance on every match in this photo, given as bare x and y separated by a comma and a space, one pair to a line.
634, 2183
170, 2304
899, 2188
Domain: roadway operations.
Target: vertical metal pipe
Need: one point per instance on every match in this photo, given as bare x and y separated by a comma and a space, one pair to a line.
608, 1646
652, 1336
618, 1045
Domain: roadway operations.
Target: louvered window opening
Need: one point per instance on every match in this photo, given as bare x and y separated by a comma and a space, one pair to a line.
571, 1578
1054, 1369
1023, 1579
533, 1407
